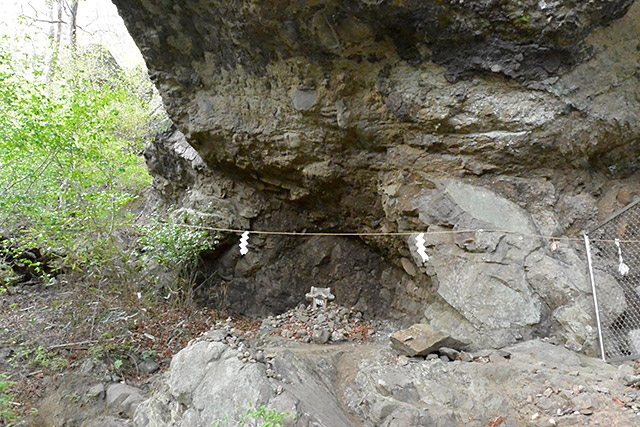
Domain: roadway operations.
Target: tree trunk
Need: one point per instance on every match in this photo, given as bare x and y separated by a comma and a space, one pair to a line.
52, 26
59, 24
54, 35
72, 25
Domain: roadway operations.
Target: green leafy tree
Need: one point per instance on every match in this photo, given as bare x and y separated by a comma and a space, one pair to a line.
70, 151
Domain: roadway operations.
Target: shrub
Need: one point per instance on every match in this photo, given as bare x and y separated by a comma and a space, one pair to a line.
176, 243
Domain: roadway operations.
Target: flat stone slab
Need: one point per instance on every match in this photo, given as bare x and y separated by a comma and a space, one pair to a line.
421, 339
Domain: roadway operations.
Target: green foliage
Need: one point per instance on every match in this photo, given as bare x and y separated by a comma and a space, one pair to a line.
175, 242
97, 352
522, 20
261, 416
7, 412
268, 417
38, 357
70, 152
148, 354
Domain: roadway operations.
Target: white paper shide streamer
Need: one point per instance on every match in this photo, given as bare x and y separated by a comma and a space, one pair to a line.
623, 268
244, 243
422, 251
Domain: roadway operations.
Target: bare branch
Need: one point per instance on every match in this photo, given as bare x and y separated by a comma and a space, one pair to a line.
73, 344
33, 7
73, 25
91, 33
45, 20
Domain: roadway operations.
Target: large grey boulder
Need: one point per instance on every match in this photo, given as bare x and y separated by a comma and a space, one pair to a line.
421, 339
199, 377
480, 273
488, 262
208, 383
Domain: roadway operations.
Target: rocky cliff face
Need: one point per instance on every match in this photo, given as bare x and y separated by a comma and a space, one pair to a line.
516, 115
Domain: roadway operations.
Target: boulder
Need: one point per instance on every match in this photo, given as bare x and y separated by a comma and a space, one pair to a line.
321, 336
421, 339
207, 384
480, 273
450, 353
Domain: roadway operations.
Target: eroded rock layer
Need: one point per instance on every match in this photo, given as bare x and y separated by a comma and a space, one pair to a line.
518, 116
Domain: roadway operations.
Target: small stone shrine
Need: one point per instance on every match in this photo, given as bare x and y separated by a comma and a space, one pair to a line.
319, 297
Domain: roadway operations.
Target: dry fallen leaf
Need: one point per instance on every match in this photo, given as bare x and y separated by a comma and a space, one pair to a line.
496, 422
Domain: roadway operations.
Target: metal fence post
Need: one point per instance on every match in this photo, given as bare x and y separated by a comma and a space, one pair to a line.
595, 294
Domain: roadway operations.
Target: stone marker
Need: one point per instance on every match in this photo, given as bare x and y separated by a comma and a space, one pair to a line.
320, 297
421, 339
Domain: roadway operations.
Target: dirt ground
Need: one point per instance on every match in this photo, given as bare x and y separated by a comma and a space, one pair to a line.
49, 333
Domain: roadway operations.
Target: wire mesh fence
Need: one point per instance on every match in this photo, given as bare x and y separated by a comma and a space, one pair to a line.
613, 252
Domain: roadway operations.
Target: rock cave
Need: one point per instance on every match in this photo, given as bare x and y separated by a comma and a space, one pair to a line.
501, 129
366, 116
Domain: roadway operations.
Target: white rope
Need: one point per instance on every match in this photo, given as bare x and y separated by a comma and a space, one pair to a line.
396, 233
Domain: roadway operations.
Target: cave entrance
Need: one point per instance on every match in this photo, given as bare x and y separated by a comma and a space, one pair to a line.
278, 271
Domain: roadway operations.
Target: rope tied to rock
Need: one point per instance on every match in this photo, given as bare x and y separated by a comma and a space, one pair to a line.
395, 233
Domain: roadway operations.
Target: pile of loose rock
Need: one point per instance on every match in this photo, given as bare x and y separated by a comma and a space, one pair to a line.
629, 375
318, 325
237, 339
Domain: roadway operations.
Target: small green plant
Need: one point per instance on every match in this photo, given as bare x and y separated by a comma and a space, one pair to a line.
148, 354
8, 414
261, 416
219, 423
22, 355
59, 364
39, 357
117, 364
523, 20
97, 352
268, 417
